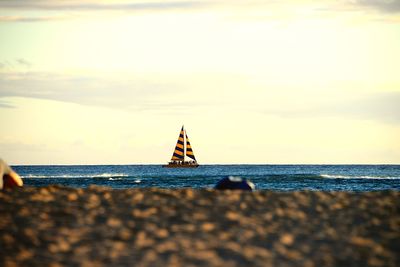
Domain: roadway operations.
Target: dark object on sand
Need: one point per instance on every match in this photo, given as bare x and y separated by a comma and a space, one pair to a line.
8, 177
182, 149
234, 183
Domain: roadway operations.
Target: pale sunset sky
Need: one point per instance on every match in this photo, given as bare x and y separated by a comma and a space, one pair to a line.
274, 82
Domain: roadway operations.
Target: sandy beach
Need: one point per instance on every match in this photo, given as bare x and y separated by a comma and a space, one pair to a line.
61, 226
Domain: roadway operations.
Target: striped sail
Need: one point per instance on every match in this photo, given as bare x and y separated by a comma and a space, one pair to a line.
189, 150
179, 152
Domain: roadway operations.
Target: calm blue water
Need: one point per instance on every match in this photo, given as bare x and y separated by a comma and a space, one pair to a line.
273, 177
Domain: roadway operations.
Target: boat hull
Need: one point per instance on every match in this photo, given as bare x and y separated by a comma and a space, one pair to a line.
180, 166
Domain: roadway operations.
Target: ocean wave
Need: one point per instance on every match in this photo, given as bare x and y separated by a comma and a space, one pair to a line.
114, 178
335, 176
108, 175
101, 175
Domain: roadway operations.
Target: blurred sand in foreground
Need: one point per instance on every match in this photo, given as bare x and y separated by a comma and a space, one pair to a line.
61, 226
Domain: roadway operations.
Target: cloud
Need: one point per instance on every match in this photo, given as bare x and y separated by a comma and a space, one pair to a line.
23, 62
5, 105
88, 5
31, 19
9, 147
19, 62
169, 94
155, 93
6, 65
93, 6
76, 9
382, 107
139, 94
251, 9
388, 6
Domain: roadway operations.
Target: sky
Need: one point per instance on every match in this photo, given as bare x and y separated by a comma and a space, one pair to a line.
269, 82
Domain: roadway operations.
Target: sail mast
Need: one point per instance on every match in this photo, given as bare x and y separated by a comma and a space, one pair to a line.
184, 144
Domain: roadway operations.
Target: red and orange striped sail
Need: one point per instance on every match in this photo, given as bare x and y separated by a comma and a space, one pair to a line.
189, 150
182, 149
179, 152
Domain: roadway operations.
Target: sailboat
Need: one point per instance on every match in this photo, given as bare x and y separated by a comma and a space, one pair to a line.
182, 148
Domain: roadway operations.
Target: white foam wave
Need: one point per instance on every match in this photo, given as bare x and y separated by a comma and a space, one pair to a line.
330, 176
108, 175
101, 175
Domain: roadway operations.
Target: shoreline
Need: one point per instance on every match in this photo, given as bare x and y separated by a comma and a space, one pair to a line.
100, 226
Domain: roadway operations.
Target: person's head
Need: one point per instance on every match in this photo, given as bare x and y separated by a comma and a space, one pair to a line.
8, 177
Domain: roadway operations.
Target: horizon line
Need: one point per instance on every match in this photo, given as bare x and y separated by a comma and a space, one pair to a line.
205, 164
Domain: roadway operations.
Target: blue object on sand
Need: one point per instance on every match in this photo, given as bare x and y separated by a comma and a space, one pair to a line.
232, 182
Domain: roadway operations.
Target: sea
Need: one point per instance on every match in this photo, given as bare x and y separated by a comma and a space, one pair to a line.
357, 178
